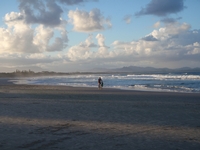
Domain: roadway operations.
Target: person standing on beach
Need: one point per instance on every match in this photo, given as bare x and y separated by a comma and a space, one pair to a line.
100, 83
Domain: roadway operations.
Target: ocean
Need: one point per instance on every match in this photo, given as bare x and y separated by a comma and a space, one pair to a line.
170, 82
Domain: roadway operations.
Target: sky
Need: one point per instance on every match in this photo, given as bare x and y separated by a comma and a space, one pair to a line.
80, 35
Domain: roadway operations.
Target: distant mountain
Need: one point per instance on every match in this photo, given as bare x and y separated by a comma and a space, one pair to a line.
157, 70
135, 69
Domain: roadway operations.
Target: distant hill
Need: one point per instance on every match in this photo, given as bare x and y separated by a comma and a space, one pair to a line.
135, 69
130, 69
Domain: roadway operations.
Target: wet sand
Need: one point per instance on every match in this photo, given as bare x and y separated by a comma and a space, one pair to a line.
58, 117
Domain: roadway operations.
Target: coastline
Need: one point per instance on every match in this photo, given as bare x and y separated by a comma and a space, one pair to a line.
9, 81
59, 117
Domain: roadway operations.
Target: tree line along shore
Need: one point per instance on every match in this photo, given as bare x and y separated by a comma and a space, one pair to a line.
29, 73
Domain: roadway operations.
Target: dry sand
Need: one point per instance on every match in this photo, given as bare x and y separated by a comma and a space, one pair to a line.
58, 117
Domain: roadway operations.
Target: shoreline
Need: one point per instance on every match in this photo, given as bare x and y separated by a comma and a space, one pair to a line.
6, 81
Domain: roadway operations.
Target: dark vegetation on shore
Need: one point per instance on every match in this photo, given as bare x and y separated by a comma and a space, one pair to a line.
29, 73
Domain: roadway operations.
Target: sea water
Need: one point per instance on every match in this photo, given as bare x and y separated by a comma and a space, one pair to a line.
179, 82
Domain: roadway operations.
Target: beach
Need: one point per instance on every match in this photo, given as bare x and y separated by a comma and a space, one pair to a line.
39, 117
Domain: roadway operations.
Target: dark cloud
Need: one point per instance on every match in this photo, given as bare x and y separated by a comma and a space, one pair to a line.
170, 20
149, 38
39, 12
188, 38
72, 2
46, 12
162, 7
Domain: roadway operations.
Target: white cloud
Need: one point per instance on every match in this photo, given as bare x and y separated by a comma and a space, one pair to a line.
87, 50
157, 24
17, 38
170, 30
134, 48
45, 12
169, 46
24, 45
88, 21
20, 37
13, 16
88, 42
77, 53
42, 37
193, 48
101, 40
83, 51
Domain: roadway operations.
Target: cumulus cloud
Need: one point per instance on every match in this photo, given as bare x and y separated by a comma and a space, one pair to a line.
46, 12
79, 53
13, 16
88, 21
41, 12
194, 48
133, 49
20, 37
165, 45
88, 42
38, 29
103, 49
101, 40
160, 47
83, 51
162, 7
170, 31
87, 50
17, 38
170, 45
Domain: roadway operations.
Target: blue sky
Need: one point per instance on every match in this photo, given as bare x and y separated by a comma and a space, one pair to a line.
78, 35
